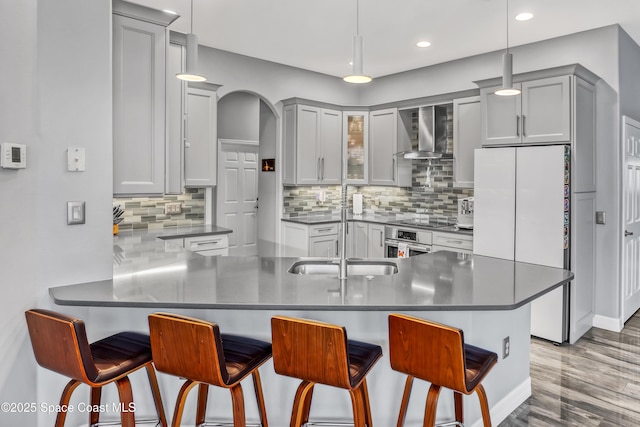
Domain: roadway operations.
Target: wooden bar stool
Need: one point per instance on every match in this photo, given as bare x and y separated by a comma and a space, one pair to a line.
196, 350
60, 344
318, 352
437, 353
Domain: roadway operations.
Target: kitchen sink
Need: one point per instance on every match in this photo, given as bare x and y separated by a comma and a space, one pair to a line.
354, 267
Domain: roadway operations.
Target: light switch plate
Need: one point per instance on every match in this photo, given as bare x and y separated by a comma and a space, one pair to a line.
601, 217
75, 213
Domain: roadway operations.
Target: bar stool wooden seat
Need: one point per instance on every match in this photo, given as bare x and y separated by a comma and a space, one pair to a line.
437, 353
196, 350
318, 352
60, 344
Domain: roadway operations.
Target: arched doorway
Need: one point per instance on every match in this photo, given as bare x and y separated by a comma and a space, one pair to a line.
246, 194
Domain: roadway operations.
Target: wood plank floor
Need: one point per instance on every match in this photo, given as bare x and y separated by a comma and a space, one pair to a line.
595, 382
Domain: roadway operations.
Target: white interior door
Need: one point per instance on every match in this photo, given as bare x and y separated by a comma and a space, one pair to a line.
631, 216
237, 199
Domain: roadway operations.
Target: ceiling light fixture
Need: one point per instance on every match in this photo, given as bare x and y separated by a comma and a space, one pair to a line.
507, 88
423, 43
190, 74
524, 16
357, 76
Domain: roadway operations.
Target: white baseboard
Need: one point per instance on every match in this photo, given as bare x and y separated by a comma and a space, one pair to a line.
613, 324
501, 410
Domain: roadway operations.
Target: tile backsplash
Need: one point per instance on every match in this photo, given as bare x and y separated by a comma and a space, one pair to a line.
149, 212
438, 197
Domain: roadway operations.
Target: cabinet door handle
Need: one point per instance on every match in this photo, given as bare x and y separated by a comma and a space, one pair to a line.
517, 125
336, 248
381, 242
318, 169
457, 242
524, 127
322, 176
393, 169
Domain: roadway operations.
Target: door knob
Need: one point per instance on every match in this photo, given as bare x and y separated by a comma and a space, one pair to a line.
627, 233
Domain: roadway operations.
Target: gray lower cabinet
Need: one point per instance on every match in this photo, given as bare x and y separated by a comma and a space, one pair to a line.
138, 105
319, 240
455, 242
368, 240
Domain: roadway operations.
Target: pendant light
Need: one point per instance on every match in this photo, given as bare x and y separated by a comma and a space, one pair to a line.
507, 88
357, 76
190, 74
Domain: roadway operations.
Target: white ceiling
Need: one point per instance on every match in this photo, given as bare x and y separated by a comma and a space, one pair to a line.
316, 34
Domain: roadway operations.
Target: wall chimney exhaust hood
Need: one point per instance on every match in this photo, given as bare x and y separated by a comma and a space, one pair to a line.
432, 134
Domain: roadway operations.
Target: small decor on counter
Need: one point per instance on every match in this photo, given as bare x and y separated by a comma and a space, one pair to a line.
118, 213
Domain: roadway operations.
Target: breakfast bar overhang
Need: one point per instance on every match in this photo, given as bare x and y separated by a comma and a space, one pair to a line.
488, 298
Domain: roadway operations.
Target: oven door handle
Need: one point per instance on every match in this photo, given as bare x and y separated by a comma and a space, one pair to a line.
426, 249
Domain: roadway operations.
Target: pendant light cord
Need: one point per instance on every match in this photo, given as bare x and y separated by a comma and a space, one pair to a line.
192, 18
357, 17
507, 26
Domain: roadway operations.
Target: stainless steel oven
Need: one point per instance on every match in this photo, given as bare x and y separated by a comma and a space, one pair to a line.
415, 241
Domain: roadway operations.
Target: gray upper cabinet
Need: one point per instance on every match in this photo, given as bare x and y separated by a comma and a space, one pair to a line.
191, 127
385, 166
312, 145
467, 117
541, 114
139, 47
200, 147
355, 126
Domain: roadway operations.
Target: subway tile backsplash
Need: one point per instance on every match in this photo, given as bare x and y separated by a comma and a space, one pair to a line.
438, 197
148, 212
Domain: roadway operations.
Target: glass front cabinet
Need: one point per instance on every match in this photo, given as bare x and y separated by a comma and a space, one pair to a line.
356, 146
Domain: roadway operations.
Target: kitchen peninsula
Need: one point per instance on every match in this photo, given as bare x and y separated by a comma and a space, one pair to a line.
486, 297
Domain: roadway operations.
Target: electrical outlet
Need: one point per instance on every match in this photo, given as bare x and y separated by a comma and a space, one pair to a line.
173, 208
506, 347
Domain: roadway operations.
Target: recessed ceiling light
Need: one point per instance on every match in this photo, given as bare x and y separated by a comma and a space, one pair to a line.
524, 16
423, 43
172, 12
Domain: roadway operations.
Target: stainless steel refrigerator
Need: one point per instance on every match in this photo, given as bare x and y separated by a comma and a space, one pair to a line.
523, 212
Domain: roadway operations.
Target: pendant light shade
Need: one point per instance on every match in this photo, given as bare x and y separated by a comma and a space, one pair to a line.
507, 88
357, 76
191, 74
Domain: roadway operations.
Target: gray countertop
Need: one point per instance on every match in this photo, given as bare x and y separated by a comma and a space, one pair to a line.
150, 272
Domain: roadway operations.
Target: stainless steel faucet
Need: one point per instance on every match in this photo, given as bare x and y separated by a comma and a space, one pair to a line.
342, 274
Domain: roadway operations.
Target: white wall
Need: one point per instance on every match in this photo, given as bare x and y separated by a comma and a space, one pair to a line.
56, 93
595, 49
238, 116
274, 82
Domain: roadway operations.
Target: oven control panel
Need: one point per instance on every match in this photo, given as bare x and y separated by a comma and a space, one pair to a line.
406, 234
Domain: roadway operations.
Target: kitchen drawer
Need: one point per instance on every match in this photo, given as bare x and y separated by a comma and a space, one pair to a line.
323, 230
206, 243
452, 240
214, 252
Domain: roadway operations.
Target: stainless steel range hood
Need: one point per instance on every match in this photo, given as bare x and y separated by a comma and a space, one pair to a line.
432, 134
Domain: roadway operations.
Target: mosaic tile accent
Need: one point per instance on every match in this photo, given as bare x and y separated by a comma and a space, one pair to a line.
148, 212
437, 198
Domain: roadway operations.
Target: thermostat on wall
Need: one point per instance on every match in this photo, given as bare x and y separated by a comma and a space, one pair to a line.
13, 156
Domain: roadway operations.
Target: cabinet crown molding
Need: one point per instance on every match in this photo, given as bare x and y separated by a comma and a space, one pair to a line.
142, 13
572, 69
